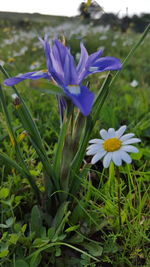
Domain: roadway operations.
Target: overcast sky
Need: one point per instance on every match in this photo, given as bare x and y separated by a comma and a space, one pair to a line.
70, 7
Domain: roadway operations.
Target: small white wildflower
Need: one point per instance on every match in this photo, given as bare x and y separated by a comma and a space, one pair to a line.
35, 65
134, 83
113, 43
103, 37
2, 63
113, 146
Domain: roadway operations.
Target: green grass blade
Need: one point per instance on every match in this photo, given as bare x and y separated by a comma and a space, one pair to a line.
36, 253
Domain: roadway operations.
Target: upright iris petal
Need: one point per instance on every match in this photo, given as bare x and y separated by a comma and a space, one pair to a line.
63, 71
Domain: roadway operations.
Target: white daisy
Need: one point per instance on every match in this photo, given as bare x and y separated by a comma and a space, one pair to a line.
113, 146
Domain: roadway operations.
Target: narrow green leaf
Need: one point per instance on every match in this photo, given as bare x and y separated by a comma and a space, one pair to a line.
21, 263
93, 248
36, 220
35, 254
59, 215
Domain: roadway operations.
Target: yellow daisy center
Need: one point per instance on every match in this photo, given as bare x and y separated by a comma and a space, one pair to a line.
112, 144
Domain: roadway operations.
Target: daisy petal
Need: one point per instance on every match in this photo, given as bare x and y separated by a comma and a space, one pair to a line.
98, 156
116, 157
131, 141
121, 130
104, 134
93, 151
125, 157
93, 146
111, 132
107, 159
96, 141
126, 136
130, 149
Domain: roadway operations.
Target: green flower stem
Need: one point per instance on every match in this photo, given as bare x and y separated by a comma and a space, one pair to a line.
60, 145
119, 196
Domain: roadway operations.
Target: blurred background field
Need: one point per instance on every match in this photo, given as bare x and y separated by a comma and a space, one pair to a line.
128, 103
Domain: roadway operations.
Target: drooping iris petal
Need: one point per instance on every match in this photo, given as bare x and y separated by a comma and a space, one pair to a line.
34, 75
83, 99
105, 63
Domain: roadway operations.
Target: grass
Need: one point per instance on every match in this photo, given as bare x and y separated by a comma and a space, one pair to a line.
89, 233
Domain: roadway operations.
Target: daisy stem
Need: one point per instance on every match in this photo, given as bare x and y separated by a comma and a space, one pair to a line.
119, 196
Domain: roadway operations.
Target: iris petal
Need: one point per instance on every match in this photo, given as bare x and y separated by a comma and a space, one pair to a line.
34, 75
83, 101
83, 58
70, 70
107, 63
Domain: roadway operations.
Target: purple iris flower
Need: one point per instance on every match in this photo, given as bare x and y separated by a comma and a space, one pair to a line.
62, 70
